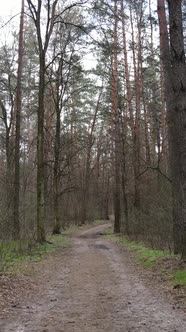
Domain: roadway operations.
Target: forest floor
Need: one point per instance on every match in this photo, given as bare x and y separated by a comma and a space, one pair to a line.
93, 285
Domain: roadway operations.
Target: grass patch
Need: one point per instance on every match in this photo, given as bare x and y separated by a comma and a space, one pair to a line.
13, 253
109, 234
71, 229
100, 222
179, 278
164, 264
145, 256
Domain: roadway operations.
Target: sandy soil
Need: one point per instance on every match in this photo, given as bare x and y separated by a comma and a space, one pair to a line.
92, 287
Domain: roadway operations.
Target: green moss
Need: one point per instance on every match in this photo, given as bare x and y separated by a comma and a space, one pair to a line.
109, 234
58, 240
179, 277
148, 265
100, 222
145, 256
165, 263
13, 253
71, 229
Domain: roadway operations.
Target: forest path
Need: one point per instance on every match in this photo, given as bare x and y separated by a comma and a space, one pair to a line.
93, 287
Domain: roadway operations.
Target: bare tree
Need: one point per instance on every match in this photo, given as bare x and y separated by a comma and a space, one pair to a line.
43, 42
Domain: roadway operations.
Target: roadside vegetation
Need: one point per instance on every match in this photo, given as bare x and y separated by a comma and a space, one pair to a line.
15, 253
169, 267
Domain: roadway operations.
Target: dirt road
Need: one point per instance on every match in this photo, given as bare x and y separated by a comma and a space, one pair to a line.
93, 287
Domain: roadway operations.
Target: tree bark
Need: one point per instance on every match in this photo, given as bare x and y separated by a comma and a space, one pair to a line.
18, 103
126, 70
88, 162
36, 11
137, 80
155, 114
124, 174
177, 122
57, 225
40, 152
116, 128
173, 59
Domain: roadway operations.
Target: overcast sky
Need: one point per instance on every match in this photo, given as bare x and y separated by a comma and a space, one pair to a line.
9, 7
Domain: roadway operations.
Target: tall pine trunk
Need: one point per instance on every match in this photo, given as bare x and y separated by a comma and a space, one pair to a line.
40, 152
18, 103
173, 59
177, 123
36, 13
86, 181
116, 128
137, 80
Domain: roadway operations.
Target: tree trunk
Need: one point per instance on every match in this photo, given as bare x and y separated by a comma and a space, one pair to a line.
18, 102
137, 78
126, 70
35, 11
116, 128
155, 114
86, 181
40, 153
173, 59
124, 178
164, 145
177, 122
147, 143
57, 225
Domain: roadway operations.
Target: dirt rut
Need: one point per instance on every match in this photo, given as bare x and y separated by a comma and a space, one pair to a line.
94, 287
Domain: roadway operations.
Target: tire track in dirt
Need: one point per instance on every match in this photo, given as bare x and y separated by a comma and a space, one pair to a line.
94, 288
